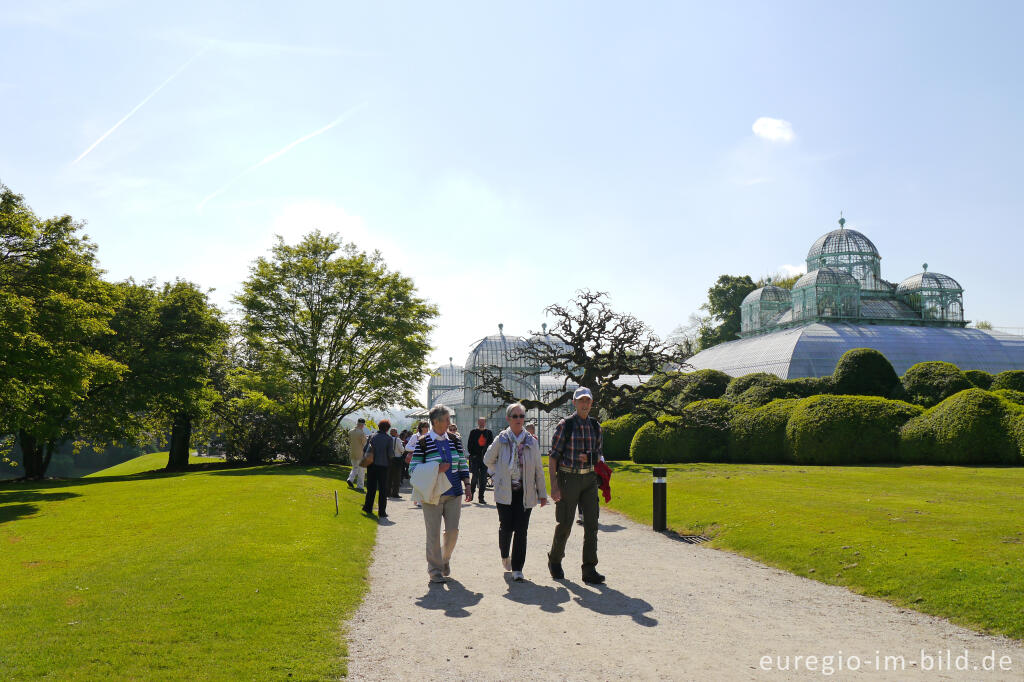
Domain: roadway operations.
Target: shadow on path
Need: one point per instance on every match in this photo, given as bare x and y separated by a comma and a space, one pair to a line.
610, 602
549, 599
610, 528
451, 597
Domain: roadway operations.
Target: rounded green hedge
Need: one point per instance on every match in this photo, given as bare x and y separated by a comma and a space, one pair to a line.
654, 442
699, 434
971, 427
762, 394
979, 378
1012, 379
847, 429
805, 387
929, 383
740, 385
864, 371
1015, 397
617, 434
759, 435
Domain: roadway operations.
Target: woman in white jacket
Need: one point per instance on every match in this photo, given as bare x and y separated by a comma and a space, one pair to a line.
517, 471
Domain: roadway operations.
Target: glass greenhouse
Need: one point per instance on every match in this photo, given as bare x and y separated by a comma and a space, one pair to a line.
842, 303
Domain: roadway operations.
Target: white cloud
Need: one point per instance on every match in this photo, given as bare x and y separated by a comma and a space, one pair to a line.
773, 129
789, 270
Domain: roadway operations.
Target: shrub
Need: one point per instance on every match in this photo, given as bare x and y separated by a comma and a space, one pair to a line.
864, 371
679, 389
1012, 379
839, 429
979, 378
617, 434
759, 435
1015, 397
740, 385
929, 383
654, 442
805, 387
699, 434
971, 427
762, 394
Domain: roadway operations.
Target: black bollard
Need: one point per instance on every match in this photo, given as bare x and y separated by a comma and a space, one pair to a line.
660, 490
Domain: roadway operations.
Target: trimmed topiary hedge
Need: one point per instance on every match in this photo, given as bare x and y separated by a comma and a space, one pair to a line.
1015, 397
654, 442
740, 385
979, 378
1012, 379
759, 435
762, 394
805, 387
846, 429
929, 383
679, 389
865, 371
617, 435
699, 434
971, 427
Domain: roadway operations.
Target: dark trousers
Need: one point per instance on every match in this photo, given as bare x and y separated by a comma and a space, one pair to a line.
577, 490
395, 475
376, 482
513, 522
478, 470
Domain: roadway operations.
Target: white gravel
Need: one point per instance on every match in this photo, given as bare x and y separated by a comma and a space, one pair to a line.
669, 611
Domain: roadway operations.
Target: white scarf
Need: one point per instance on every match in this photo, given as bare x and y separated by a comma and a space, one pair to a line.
515, 472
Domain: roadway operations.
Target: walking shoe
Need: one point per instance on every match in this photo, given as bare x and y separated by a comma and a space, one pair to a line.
350, 484
590, 575
382, 515
506, 562
518, 576
579, 520
482, 501
555, 568
361, 490
438, 579
447, 570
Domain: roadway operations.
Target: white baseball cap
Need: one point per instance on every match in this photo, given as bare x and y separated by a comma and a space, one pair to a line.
581, 392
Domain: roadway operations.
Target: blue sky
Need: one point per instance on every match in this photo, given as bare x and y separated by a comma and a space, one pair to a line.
504, 155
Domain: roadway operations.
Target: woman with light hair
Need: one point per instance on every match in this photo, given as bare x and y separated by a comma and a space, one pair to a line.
514, 463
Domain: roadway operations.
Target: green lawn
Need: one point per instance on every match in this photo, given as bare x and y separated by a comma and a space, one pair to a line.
944, 540
143, 463
241, 573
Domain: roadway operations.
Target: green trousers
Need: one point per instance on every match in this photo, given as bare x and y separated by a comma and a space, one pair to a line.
578, 490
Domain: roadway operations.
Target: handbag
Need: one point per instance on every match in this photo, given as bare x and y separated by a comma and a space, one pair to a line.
367, 460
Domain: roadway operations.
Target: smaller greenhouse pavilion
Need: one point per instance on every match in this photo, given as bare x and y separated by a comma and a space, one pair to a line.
842, 303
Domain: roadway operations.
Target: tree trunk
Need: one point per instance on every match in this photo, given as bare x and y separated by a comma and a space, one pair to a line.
31, 456
181, 436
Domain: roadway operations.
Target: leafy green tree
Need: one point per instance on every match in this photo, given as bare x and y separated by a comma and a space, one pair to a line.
346, 332
53, 305
723, 305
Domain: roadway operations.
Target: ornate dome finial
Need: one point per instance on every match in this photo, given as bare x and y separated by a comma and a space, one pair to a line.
501, 328
842, 221
925, 266
450, 361
544, 327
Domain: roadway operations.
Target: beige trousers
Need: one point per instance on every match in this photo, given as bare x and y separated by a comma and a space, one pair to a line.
450, 509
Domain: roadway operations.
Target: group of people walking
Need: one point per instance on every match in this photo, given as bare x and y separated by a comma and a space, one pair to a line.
515, 465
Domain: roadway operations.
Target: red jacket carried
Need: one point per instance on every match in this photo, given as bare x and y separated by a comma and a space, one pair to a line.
605, 473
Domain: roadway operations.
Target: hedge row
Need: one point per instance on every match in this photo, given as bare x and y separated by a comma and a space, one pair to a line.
970, 427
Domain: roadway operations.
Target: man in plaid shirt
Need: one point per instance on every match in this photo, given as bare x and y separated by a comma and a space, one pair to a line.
575, 449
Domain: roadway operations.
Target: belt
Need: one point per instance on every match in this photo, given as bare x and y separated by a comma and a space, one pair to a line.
578, 470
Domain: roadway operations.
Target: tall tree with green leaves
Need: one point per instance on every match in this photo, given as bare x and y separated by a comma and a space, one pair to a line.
348, 333
723, 305
53, 305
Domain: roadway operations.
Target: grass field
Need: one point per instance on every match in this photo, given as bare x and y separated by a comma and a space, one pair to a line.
143, 463
242, 573
948, 541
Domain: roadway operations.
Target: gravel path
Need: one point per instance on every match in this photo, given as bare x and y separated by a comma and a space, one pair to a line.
669, 611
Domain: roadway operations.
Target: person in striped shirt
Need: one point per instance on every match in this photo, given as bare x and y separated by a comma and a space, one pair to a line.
445, 448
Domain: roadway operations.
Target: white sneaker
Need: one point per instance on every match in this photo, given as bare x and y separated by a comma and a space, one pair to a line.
506, 562
518, 576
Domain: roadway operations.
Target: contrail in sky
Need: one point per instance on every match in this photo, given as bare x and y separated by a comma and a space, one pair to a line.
281, 152
139, 106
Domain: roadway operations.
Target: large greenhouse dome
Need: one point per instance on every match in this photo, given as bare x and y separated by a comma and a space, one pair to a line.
842, 303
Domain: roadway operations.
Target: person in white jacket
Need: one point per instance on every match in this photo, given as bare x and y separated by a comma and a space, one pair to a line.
516, 468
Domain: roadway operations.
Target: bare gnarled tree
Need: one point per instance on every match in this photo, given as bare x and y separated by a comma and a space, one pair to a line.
589, 345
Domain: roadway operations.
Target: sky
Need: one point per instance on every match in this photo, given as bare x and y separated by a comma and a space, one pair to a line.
504, 155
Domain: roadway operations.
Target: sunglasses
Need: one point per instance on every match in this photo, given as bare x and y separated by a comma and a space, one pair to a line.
517, 416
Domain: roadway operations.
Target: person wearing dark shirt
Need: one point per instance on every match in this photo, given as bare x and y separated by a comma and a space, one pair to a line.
575, 449
479, 440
